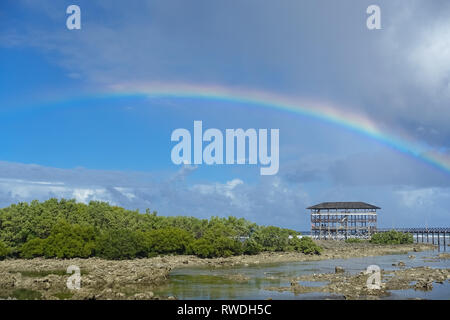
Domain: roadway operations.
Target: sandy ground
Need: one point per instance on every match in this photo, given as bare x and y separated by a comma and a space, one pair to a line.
135, 279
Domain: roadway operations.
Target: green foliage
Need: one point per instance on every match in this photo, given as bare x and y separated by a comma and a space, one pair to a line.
392, 237
40, 273
64, 295
33, 248
70, 241
118, 244
219, 246
65, 241
22, 222
26, 294
67, 229
218, 241
202, 248
4, 250
305, 245
273, 238
169, 240
251, 247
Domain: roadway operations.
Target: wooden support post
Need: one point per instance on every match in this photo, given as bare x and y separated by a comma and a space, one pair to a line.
439, 239
329, 232
320, 225
432, 237
346, 229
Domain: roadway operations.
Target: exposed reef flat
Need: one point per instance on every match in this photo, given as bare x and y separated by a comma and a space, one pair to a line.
135, 279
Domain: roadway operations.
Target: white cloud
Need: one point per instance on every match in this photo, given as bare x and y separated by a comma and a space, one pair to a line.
415, 198
26, 190
127, 192
226, 190
429, 57
85, 195
423, 198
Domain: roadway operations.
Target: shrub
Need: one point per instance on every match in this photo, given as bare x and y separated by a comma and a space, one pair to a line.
65, 229
220, 246
4, 250
226, 246
32, 248
272, 238
70, 241
119, 244
305, 245
202, 248
168, 240
392, 237
252, 247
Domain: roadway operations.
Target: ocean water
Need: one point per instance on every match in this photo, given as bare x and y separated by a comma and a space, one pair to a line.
218, 283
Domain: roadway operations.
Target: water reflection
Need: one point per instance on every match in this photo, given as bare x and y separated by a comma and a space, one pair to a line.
250, 282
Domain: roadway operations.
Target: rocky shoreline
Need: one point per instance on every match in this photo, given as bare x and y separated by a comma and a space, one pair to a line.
135, 279
353, 287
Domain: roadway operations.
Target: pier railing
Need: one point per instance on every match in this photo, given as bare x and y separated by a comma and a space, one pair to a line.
414, 230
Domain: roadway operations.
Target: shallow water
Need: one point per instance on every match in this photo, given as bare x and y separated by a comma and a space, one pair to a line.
220, 283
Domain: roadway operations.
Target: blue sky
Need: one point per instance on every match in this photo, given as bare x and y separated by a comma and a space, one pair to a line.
59, 140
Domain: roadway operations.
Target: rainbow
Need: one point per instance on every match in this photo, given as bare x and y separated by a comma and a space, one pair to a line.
322, 111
